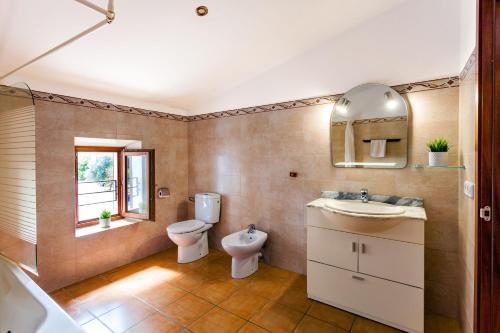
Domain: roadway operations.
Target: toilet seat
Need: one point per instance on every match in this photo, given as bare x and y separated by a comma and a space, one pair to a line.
185, 227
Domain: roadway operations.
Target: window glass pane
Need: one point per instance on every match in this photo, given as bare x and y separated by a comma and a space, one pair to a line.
137, 184
97, 184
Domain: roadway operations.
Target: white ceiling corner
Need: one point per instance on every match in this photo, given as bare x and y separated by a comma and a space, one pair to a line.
165, 58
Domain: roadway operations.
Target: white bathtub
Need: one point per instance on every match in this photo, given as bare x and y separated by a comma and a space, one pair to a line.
26, 308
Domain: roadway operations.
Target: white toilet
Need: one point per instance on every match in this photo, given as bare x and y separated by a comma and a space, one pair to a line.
191, 236
244, 247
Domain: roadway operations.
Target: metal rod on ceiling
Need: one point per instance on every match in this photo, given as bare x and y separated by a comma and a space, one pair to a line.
93, 6
110, 16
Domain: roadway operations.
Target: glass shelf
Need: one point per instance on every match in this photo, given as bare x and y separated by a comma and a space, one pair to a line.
421, 166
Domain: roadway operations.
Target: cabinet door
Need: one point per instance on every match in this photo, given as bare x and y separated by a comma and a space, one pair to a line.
332, 247
393, 260
392, 303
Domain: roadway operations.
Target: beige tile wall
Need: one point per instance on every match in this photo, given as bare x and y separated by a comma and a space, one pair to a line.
64, 259
248, 159
467, 223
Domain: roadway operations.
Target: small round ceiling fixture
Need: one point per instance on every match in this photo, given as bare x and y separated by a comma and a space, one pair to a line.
201, 10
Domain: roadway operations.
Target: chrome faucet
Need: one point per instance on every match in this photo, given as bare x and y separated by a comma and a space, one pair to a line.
251, 229
364, 195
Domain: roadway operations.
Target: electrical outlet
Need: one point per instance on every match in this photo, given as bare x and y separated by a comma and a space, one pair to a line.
469, 189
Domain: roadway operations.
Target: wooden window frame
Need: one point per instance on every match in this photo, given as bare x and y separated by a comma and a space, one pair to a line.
150, 153
91, 149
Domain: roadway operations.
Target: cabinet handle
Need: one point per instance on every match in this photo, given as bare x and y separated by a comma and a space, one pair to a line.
363, 248
358, 278
353, 246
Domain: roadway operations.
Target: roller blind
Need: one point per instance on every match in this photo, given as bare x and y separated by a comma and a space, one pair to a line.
17, 173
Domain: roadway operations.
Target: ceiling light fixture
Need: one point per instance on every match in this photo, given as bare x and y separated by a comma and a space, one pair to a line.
201, 10
391, 102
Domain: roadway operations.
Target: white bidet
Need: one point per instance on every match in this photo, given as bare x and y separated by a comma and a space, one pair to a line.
244, 247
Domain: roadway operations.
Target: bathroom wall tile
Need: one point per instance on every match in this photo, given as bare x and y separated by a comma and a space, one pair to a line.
57, 125
55, 116
54, 275
441, 299
467, 225
265, 147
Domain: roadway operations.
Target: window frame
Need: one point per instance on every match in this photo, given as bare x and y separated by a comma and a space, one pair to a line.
150, 153
92, 149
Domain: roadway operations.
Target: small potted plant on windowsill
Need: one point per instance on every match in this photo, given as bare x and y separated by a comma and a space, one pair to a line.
105, 218
438, 152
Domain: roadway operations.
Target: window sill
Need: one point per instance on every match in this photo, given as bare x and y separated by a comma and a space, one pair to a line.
95, 229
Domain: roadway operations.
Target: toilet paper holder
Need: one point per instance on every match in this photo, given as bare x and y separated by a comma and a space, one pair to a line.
163, 192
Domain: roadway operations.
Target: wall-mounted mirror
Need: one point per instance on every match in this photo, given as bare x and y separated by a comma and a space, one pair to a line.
369, 128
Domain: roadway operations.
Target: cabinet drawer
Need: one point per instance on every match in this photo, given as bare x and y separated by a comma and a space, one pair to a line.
393, 260
392, 303
332, 247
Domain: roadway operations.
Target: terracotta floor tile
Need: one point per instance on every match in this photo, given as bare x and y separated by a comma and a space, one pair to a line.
79, 314
126, 315
125, 271
252, 328
85, 290
215, 291
106, 301
267, 271
363, 325
95, 326
298, 281
270, 289
61, 297
244, 303
215, 270
156, 324
217, 320
438, 324
277, 318
187, 309
146, 279
312, 325
296, 298
188, 281
162, 295
273, 299
332, 315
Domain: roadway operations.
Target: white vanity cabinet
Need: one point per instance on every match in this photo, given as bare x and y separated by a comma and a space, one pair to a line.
376, 272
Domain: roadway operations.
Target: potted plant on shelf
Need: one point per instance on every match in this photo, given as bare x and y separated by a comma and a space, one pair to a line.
438, 152
105, 218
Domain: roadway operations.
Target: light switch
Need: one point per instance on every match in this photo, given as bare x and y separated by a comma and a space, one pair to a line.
469, 189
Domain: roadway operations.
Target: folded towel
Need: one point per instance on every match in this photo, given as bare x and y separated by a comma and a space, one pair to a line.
349, 151
377, 148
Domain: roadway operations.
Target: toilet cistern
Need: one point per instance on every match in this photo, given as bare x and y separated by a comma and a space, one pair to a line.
364, 195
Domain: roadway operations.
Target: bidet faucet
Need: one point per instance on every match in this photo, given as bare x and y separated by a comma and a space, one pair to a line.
251, 229
364, 195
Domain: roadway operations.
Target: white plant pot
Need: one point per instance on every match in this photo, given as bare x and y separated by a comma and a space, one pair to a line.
438, 158
104, 223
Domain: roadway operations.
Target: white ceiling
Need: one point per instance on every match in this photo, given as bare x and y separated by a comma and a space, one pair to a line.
163, 57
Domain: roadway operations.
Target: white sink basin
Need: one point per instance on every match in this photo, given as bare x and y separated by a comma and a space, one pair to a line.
369, 208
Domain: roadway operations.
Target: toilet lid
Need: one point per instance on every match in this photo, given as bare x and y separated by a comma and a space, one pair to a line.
185, 226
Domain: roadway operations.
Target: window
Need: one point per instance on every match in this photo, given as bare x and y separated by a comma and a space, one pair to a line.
111, 178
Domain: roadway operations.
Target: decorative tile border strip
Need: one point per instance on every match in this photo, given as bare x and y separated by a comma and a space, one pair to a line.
402, 89
471, 62
329, 99
370, 121
43, 96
